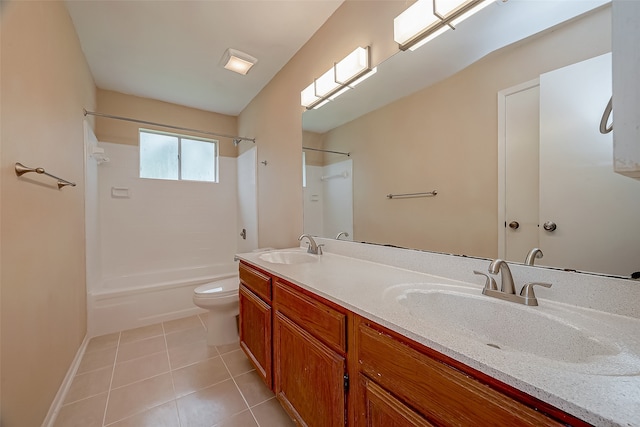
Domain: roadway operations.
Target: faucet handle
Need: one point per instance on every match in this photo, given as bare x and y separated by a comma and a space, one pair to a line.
528, 294
490, 282
320, 248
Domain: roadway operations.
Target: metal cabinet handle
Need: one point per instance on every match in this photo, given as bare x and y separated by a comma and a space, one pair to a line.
549, 226
514, 225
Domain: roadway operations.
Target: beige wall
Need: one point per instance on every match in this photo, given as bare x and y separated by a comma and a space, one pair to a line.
274, 116
123, 132
445, 138
45, 84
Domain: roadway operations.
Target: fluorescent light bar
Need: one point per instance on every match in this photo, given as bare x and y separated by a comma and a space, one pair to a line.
343, 76
426, 19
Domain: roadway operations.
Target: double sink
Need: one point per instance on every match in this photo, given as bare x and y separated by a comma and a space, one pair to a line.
567, 337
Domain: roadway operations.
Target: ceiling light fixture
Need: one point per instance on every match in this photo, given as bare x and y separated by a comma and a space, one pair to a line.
237, 61
344, 75
427, 19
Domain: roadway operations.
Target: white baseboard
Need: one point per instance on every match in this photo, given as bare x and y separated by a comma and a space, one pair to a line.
58, 401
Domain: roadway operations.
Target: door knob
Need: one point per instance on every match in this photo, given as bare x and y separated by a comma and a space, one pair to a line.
514, 225
549, 226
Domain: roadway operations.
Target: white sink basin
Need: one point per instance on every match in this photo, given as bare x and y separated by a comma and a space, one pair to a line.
506, 325
288, 257
551, 334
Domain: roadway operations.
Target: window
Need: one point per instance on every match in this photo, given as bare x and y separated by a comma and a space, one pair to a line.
177, 157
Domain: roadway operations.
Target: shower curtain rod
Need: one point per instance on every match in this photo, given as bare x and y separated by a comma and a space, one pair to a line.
327, 151
236, 139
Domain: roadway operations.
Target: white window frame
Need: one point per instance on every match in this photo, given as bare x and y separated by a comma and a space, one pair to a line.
180, 137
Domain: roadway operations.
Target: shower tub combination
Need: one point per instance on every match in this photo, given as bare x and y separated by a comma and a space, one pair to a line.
128, 302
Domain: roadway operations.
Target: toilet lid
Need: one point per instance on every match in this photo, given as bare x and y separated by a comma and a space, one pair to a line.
219, 287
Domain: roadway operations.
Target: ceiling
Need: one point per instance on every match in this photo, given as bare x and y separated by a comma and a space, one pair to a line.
171, 50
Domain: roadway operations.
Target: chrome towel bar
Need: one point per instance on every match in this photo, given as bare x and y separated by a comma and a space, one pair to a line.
22, 169
410, 195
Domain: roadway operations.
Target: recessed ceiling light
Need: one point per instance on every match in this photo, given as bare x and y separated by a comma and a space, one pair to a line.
237, 61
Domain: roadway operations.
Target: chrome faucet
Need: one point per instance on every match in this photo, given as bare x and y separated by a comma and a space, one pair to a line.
342, 233
532, 255
507, 289
313, 247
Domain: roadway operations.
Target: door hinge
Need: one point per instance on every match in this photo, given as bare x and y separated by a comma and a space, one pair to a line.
346, 382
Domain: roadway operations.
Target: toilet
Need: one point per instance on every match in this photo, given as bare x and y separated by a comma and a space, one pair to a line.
220, 298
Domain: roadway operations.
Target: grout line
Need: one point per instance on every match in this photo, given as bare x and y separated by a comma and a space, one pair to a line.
238, 388
113, 370
173, 386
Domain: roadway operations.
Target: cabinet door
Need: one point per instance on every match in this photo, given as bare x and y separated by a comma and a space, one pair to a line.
384, 410
308, 376
255, 333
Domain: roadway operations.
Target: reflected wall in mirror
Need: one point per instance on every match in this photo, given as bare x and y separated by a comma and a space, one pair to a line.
445, 137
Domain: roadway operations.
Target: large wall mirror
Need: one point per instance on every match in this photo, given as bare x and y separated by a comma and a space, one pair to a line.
455, 116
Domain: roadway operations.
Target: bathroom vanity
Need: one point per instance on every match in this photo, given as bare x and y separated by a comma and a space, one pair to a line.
340, 342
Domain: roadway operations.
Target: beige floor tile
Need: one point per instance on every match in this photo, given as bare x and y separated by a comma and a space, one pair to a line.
222, 349
211, 405
186, 336
243, 419
253, 388
199, 375
271, 414
103, 342
165, 415
189, 353
141, 333
182, 324
139, 397
237, 362
97, 360
84, 413
140, 369
89, 384
140, 348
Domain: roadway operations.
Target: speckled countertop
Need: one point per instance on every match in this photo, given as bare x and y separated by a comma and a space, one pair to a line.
603, 390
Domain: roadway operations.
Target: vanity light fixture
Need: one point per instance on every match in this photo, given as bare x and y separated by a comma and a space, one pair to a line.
237, 61
427, 19
344, 75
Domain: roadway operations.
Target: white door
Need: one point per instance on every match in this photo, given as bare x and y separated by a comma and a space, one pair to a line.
596, 211
519, 219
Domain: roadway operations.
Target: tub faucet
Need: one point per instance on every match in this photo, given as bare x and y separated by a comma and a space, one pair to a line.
313, 247
501, 266
532, 255
507, 290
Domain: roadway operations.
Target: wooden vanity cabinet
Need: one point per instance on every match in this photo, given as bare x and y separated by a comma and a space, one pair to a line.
404, 385
330, 367
309, 339
255, 320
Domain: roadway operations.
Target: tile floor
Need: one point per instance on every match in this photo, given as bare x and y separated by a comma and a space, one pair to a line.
165, 375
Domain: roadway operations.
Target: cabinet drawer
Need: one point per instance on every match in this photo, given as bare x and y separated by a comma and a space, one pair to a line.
322, 321
258, 282
442, 394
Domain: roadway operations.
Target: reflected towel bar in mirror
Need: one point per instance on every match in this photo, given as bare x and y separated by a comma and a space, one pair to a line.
409, 195
22, 169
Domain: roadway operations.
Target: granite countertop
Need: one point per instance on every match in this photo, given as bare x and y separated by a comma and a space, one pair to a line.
603, 390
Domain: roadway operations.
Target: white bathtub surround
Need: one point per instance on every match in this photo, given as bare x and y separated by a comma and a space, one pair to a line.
602, 390
162, 224
152, 242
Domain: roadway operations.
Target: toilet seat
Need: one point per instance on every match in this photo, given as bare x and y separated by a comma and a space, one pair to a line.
218, 289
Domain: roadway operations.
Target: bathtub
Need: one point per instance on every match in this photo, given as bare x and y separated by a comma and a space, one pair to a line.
126, 302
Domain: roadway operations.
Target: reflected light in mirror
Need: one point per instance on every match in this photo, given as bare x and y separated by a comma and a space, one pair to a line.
426, 19
345, 74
